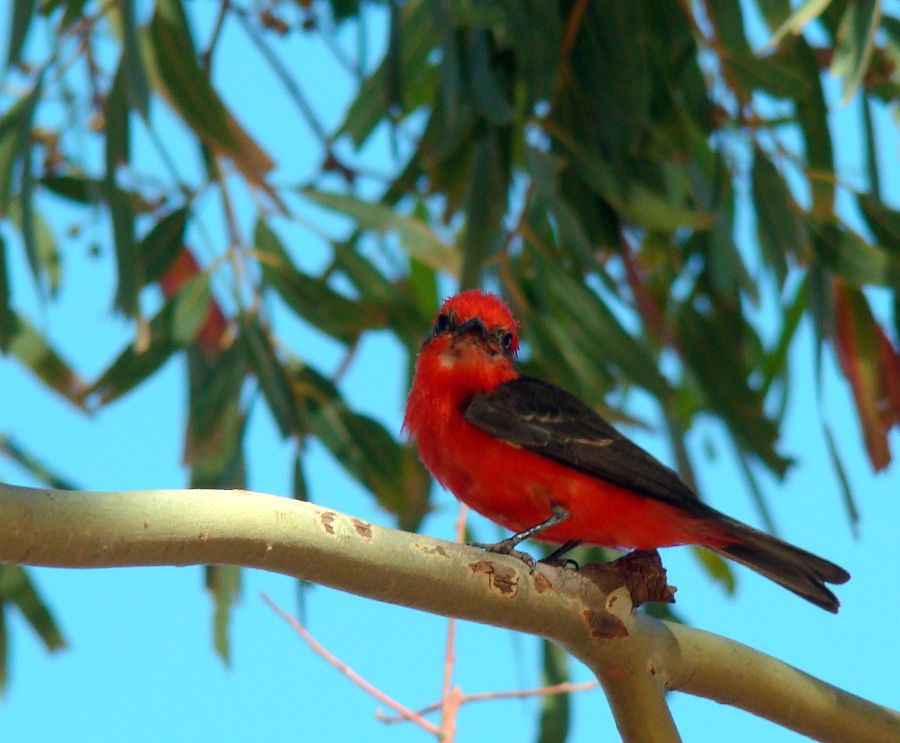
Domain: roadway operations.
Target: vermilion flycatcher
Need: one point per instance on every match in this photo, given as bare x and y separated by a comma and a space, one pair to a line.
540, 462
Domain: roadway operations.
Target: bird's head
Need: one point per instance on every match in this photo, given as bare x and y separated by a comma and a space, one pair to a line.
474, 336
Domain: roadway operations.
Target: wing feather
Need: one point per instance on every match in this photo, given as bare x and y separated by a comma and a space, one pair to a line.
543, 418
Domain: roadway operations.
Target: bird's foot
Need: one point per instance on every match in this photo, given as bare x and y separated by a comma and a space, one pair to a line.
508, 547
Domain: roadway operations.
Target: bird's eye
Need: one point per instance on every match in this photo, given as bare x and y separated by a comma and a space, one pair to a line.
506, 342
442, 324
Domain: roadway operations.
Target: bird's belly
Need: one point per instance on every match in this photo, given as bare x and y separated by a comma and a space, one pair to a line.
518, 489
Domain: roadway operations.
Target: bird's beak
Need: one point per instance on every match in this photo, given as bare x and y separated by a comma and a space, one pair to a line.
475, 325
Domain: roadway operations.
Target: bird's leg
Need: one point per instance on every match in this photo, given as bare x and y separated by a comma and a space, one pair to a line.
508, 545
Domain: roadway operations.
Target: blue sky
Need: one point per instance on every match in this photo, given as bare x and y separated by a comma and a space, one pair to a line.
140, 660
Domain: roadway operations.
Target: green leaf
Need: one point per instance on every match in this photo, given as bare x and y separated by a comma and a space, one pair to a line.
33, 466
843, 481
175, 62
717, 569
131, 367
486, 201
30, 348
714, 355
216, 421
137, 89
190, 309
128, 265
634, 201
770, 75
778, 226
855, 44
175, 71
162, 244
812, 116
372, 104
416, 237
40, 244
17, 588
224, 585
797, 20
555, 708
883, 221
846, 254
9, 323
22, 14
77, 188
273, 378
312, 298
391, 471
15, 140
490, 101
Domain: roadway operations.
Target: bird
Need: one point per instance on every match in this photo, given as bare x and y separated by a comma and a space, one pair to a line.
542, 463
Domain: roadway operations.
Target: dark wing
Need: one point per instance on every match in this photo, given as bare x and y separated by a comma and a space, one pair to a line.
547, 420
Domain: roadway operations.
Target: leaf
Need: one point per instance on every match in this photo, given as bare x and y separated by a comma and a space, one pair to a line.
555, 708
35, 353
635, 202
713, 354
780, 231
33, 466
162, 244
216, 422
224, 585
74, 187
128, 265
883, 221
846, 254
855, 44
716, 568
768, 74
190, 309
22, 14
40, 244
416, 237
797, 20
273, 378
131, 366
311, 298
372, 104
486, 201
812, 116
391, 471
176, 72
17, 588
857, 342
137, 89
843, 481
15, 140
9, 323
490, 101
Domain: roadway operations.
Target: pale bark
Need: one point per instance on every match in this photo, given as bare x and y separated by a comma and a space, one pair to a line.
635, 657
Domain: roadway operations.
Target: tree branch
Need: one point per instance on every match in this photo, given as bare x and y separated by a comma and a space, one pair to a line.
635, 657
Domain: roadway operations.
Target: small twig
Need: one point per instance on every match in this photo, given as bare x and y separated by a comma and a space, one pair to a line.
290, 84
349, 672
451, 698
489, 696
206, 55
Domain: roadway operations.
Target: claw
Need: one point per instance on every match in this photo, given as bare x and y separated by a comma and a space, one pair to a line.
508, 547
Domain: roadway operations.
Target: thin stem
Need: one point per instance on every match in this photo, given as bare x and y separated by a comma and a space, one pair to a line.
291, 85
490, 696
333, 660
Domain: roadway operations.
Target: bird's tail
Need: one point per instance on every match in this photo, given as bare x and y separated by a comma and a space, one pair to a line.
797, 570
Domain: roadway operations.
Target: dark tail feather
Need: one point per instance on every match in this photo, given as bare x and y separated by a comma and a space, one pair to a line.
797, 570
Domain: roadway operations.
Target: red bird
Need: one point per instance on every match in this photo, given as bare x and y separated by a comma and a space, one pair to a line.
540, 462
